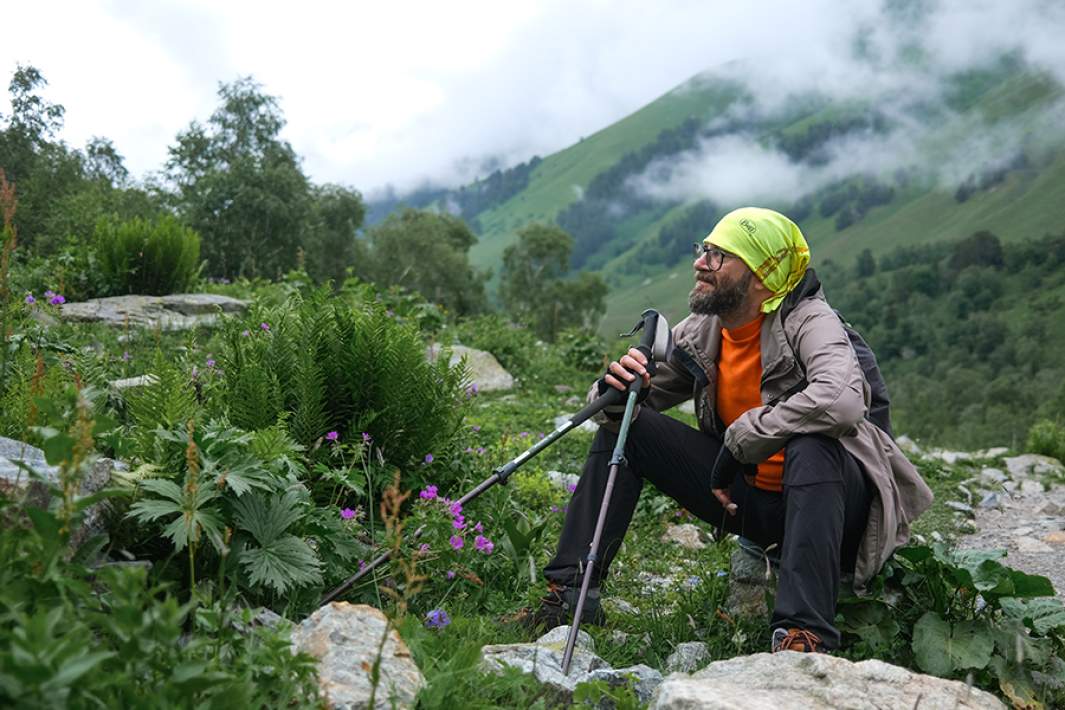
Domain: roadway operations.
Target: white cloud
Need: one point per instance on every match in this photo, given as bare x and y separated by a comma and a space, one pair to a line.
403, 91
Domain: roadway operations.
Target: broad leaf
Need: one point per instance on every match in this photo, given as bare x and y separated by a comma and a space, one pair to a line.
285, 563
1015, 682
1017, 646
1044, 615
941, 649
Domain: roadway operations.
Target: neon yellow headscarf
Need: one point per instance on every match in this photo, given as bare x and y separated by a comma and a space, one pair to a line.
769, 243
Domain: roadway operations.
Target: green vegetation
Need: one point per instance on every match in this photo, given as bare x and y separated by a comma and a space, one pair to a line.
153, 258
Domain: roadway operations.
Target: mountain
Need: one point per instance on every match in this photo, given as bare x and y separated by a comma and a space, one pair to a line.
936, 158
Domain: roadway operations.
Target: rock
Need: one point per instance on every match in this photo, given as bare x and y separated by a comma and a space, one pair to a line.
563, 389
620, 606
958, 506
688, 536
991, 500
687, 407
1030, 487
967, 493
573, 401
950, 457
543, 660
1018, 532
1049, 508
652, 583
563, 480
688, 657
749, 579
1030, 544
486, 374
179, 311
1055, 538
345, 639
642, 679
908, 445
992, 475
1031, 464
992, 453
131, 382
16, 482
788, 679
586, 425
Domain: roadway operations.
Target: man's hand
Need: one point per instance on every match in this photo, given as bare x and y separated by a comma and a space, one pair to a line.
726, 468
622, 372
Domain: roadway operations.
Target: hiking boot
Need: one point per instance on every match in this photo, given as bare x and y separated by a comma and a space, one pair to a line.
556, 609
799, 640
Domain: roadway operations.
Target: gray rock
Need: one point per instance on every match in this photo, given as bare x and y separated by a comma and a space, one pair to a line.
563, 389
573, 401
586, 425
958, 506
687, 535
1031, 464
563, 480
543, 660
750, 577
1030, 544
642, 679
1030, 487
992, 453
687, 407
788, 679
179, 311
688, 657
345, 639
485, 371
908, 445
1049, 508
950, 457
991, 500
132, 382
993, 475
620, 606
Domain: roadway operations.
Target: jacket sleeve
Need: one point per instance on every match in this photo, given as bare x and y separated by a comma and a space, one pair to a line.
832, 403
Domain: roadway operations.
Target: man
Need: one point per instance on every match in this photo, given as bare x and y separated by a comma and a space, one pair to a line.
784, 454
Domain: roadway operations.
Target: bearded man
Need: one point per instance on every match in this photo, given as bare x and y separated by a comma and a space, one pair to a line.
784, 456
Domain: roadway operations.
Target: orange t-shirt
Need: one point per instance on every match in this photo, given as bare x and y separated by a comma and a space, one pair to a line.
739, 383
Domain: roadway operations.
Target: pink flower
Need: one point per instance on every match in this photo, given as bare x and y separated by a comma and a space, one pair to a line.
451, 574
332, 436
456, 542
476, 427
366, 438
459, 522
478, 527
347, 513
423, 548
483, 544
455, 508
428, 493
264, 326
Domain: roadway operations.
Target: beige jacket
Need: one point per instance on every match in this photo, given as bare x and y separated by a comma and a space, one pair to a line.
804, 338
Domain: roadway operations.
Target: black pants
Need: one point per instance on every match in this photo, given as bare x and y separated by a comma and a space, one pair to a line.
817, 521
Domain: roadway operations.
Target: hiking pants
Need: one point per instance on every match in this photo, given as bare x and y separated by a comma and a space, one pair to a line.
817, 522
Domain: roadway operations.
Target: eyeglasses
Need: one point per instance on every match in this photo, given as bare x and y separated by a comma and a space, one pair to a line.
714, 256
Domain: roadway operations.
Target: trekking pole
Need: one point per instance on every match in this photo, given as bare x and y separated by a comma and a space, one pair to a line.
499, 475
655, 345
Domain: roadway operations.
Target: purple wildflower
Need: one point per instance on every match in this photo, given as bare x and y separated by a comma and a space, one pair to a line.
125, 356
455, 508
483, 544
366, 438
264, 325
469, 449
332, 436
478, 527
245, 333
480, 450
29, 298
49, 293
524, 434
476, 427
571, 487
554, 509
210, 362
57, 300
428, 493
459, 522
457, 543
362, 565
423, 548
428, 458
347, 514
437, 619
539, 435
451, 574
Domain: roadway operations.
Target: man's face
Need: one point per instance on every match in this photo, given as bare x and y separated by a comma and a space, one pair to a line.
720, 292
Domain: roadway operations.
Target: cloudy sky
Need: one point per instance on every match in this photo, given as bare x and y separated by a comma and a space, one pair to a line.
403, 92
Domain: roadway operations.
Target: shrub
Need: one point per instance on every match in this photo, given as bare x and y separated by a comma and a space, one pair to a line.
1048, 438
331, 367
154, 257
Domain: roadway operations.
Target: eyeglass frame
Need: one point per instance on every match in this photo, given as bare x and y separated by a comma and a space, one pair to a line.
711, 252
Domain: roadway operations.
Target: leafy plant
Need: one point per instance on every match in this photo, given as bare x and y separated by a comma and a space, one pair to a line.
153, 257
1047, 437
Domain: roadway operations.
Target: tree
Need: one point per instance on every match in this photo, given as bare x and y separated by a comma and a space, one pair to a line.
331, 244
534, 287
866, 264
240, 186
427, 252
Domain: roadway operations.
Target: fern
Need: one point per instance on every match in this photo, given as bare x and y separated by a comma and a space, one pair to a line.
281, 561
166, 402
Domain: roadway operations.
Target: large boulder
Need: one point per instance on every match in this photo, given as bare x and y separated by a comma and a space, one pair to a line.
17, 483
178, 311
486, 374
543, 660
750, 577
788, 679
346, 639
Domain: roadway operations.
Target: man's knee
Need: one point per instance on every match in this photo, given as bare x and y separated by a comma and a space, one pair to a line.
813, 458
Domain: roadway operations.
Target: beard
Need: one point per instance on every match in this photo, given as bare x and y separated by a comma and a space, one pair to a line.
723, 299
